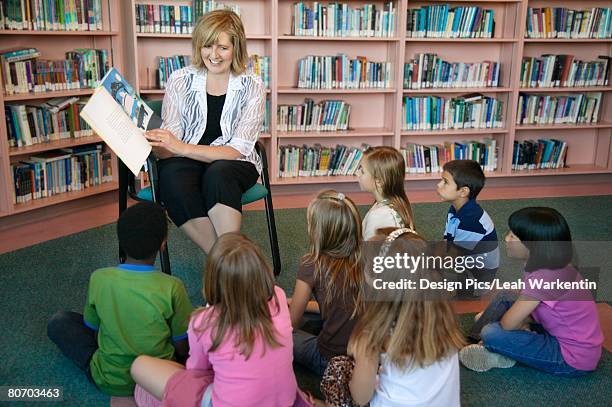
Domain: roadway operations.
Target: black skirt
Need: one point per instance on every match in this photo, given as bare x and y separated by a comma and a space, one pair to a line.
190, 188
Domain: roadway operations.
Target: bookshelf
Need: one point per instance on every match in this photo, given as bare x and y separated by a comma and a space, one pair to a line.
376, 113
52, 45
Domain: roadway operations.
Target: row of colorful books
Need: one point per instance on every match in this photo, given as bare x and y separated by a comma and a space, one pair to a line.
167, 65
340, 20
163, 18
577, 108
55, 119
317, 160
430, 71
444, 21
438, 113
201, 7
340, 72
425, 159
553, 71
543, 153
561, 22
327, 115
51, 15
260, 66
55, 172
23, 73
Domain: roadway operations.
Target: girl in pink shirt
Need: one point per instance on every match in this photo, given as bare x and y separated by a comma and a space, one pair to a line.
553, 325
240, 345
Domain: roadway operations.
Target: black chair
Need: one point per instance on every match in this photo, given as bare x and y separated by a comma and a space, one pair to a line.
255, 193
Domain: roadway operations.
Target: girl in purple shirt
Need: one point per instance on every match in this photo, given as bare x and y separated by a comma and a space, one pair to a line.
553, 325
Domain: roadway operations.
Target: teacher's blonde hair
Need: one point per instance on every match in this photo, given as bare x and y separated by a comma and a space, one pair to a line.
207, 31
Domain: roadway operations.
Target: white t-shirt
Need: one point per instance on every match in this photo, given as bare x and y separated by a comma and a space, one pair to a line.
380, 215
434, 385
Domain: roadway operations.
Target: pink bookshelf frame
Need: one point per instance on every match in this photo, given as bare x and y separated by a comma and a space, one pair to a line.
53, 45
376, 113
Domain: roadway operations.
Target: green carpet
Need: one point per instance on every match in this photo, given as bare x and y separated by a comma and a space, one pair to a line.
39, 280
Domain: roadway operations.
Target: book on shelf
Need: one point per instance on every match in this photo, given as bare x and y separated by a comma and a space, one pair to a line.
120, 117
55, 172
164, 18
317, 160
50, 15
438, 113
543, 153
425, 159
562, 22
444, 21
553, 71
167, 65
340, 72
265, 126
430, 71
24, 73
201, 7
327, 115
260, 66
340, 20
577, 108
55, 119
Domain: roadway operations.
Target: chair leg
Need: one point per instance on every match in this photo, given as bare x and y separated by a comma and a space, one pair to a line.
164, 259
123, 192
272, 233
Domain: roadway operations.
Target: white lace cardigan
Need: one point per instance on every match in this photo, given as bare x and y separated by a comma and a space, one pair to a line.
184, 111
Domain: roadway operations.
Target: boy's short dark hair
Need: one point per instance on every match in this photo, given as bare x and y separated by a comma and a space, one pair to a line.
466, 173
545, 232
141, 229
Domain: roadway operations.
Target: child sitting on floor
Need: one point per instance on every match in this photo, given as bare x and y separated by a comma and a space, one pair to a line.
240, 345
566, 338
131, 309
469, 229
332, 272
381, 173
404, 347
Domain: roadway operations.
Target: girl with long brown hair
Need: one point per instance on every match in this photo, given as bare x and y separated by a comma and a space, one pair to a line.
240, 344
406, 342
331, 270
381, 173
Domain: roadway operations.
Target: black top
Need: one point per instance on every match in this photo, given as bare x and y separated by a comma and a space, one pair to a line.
213, 119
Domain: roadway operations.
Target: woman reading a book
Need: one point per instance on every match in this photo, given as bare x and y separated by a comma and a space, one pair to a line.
212, 115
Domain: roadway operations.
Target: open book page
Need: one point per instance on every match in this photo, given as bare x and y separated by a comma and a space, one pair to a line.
110, 122
120, 90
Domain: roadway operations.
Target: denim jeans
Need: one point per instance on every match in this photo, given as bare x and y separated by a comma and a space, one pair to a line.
305, 344
74, 339
536, 348
494, 312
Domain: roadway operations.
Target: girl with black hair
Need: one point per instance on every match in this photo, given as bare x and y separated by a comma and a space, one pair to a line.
553, 325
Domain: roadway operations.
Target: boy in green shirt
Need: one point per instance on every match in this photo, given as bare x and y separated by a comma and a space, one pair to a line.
132, 309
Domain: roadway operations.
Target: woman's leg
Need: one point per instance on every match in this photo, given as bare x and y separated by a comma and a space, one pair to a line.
225, 219
201, 231
538, 350
152, 374
180, 192
223, 184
